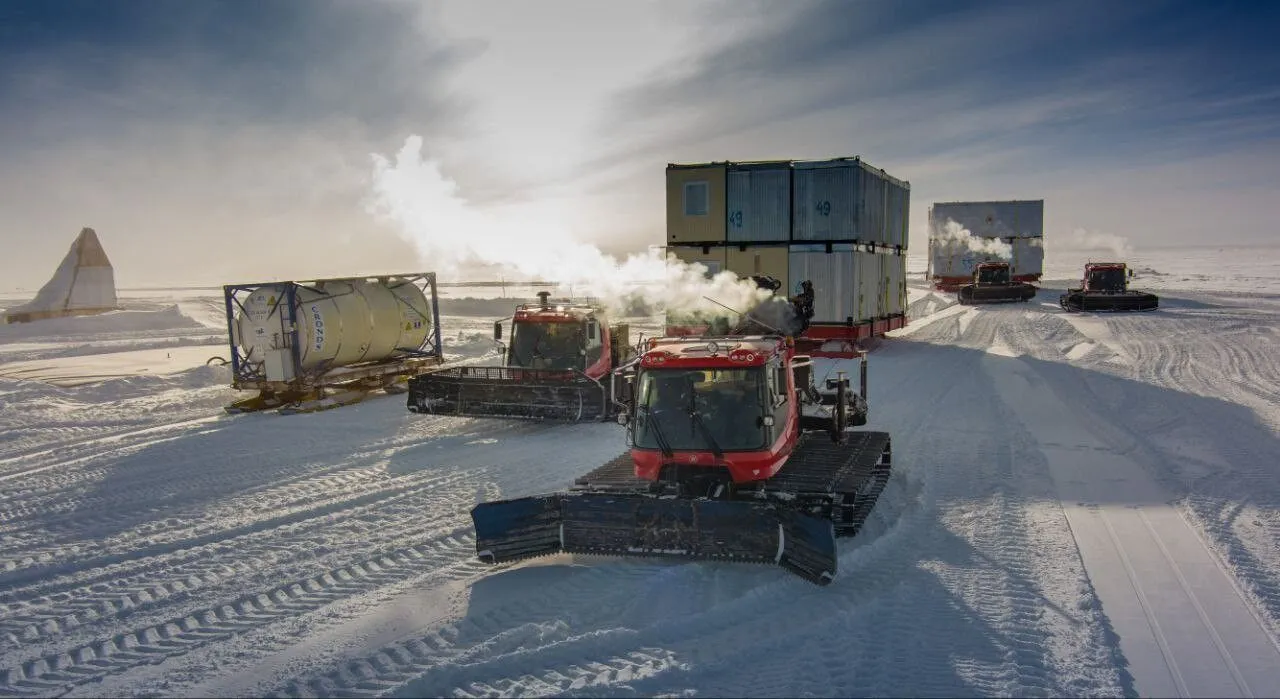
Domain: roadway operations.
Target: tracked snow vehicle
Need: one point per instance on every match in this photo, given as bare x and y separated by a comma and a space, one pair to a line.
559, 366
1105, 288
993, 283
734, 455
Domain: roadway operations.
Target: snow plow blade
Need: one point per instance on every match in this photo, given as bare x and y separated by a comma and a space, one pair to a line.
1083, 302
509, 392
611, 524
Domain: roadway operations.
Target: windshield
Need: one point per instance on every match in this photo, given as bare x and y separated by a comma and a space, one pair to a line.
993, 275
547, 346
726, 406
1107, 279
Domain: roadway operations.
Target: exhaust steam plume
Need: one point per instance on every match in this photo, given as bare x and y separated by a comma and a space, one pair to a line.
425, 208
956, 238
1081, 239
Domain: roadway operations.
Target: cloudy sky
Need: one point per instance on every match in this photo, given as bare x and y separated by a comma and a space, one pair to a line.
223, 142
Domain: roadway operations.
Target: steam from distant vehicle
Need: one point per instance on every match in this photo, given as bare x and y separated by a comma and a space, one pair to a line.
956, 238
425, 208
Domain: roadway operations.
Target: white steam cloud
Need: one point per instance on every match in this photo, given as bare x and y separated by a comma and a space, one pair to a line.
956, 238
1084, 240
425, 208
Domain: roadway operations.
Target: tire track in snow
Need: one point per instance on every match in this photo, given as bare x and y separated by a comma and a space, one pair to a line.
80, 602
99, 446
128, 501
180, 635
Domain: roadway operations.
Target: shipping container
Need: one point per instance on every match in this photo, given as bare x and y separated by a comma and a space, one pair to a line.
893, 273
991, 219
834, 278
955, 263
1028, 258
867, 274
758, 202
696, 203
899, 216
771, 260
845, 200
710, 256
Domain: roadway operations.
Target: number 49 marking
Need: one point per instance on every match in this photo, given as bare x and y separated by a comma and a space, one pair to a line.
735, 219
823, 207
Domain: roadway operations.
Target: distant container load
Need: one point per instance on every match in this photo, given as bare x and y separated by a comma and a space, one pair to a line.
843, 200
964, 234
291, 340
992, 219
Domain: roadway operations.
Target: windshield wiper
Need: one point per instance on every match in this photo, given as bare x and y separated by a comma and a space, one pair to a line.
652, 422
696, 418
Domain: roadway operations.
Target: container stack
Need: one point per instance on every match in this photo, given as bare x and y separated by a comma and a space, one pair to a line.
840, 224
959, 233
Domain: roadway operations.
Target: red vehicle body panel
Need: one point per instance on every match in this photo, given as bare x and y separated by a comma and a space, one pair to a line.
743, 466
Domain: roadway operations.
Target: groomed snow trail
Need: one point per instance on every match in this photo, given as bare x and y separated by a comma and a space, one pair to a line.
1063, 487
1190, 620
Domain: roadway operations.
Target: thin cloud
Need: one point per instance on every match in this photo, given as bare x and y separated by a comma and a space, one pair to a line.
213, 142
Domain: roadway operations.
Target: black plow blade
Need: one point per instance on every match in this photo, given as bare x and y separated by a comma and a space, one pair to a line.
504, 392
639, 525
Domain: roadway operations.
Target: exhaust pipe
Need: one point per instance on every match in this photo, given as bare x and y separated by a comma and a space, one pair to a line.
542, 299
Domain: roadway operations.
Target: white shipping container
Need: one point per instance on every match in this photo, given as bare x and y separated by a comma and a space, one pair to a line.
758, 203
1028, 256
868, 274
957, 260
846, 199
834, 277
894, 274
991, 219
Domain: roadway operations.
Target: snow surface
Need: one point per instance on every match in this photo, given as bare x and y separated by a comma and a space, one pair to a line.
1081, 505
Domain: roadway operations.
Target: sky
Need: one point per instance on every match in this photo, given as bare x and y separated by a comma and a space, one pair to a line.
235, 142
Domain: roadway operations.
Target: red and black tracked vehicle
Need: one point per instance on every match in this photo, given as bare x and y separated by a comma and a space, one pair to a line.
559, 366
1105, 288
734, 455
993, 283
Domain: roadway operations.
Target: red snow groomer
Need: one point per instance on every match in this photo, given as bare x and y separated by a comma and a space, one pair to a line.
1105, 288
734, 455
558, 367
993, 283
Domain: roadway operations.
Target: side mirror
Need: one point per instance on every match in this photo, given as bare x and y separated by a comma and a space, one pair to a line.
497, 330
767, 420
1130, 272
623, 418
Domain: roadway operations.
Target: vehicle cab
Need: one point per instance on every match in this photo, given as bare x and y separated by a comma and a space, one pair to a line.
724, 404
559, 336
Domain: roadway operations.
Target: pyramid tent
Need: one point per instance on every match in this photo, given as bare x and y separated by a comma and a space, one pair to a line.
84, 284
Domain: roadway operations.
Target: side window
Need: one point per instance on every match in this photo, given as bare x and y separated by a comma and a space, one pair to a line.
696, 199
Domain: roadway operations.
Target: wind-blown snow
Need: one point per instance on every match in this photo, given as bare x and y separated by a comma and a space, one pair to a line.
1081, 506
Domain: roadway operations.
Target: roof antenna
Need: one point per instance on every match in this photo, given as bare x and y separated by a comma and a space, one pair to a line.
740, 313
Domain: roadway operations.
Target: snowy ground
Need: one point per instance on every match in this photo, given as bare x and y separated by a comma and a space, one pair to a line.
1081, 505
